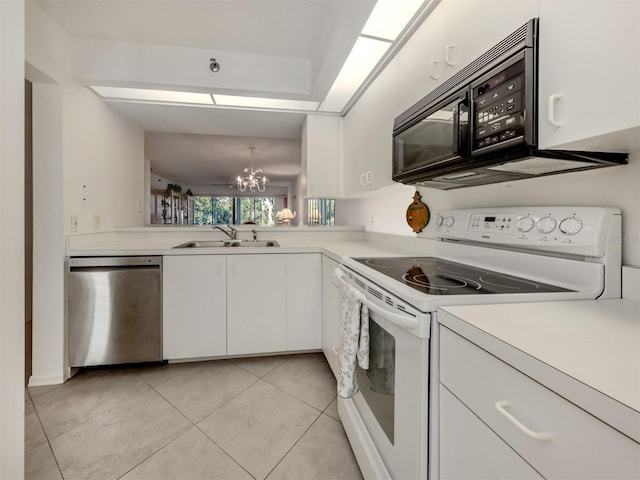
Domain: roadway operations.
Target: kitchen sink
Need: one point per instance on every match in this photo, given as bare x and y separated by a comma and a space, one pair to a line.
228, 243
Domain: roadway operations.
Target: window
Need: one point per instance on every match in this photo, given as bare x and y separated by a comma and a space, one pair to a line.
321, 211
210, 210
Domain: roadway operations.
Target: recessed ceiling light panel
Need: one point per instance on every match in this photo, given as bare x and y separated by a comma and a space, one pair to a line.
364, 56
389, 17
258, 102
147, 95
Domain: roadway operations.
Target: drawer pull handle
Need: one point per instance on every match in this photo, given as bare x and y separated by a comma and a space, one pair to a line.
335, 350
501, 407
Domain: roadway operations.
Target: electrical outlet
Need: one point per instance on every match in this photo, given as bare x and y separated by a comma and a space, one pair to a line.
96, 222
138, 206
74, 223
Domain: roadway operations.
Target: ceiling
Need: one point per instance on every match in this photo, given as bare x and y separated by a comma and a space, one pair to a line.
290, 49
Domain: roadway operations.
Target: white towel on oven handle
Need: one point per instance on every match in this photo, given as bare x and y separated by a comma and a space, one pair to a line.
354, 345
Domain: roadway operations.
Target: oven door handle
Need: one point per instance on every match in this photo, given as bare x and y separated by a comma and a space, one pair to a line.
395, 318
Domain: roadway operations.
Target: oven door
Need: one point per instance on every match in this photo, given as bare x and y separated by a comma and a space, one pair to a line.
434, 139
392, 398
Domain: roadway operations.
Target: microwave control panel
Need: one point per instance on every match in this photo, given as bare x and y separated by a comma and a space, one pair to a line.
499, 108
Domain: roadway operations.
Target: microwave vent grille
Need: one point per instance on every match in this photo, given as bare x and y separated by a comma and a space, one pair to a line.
510, 45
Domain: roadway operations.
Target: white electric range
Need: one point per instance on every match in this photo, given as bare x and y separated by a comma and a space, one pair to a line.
471, 256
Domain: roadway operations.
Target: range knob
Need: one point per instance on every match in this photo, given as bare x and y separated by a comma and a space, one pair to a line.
449, 221
439, 220
570, 225
546, 224
525, 224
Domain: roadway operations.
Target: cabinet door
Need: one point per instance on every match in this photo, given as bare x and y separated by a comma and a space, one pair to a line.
367, 135
589, 73
320, 153
330, 313
256, 303
194, 298
470, 450
304, 305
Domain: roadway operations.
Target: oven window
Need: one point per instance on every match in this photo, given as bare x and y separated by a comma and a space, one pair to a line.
377, 384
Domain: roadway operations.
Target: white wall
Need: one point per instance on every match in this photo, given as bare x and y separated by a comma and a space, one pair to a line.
12, 240
611, 186
103, 151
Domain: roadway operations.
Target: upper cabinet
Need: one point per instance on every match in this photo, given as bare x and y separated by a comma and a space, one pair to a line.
454, 35
367, 132
589, 94
320, 155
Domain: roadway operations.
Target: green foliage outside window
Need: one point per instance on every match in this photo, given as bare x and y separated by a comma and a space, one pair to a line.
234, 210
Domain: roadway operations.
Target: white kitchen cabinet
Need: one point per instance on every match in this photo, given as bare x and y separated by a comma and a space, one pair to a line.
471, 450
553, 435
436, 51
367, 132
589, 95
321, 136
256, 303
304, 305
194, 311
331, 312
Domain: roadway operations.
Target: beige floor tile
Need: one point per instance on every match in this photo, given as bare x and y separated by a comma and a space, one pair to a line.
33, 432
322, 453
307, 377
332, 410
38, 391
259, 426
85, 396
260, 366
154, 375
112, 443
39, 464
192, 455
202, 390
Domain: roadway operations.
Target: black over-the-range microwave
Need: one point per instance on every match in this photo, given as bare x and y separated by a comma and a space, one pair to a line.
481, 125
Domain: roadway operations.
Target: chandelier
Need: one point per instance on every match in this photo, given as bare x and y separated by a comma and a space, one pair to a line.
252, 179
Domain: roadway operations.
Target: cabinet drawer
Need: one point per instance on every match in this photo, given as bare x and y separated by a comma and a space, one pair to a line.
469, 449
580, 446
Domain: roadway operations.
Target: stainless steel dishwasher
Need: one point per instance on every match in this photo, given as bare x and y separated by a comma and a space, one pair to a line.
114, 310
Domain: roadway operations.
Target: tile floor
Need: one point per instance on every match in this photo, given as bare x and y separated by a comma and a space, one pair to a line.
253, 418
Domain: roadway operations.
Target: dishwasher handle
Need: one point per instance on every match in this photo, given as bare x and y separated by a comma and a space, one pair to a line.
143, 261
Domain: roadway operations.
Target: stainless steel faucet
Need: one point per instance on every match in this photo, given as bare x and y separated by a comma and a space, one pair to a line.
232, 233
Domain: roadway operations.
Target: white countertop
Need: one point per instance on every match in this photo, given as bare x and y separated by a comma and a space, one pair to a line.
587, 351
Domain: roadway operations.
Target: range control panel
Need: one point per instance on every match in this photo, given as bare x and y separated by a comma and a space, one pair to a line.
575, 230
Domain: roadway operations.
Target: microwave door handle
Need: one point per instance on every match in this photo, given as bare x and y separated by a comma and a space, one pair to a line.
459, 137
395, 318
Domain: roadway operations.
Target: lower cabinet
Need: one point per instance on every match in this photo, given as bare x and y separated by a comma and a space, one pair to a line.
256, 303
504, 408
304, 307
330, 313
217, 305
194, 307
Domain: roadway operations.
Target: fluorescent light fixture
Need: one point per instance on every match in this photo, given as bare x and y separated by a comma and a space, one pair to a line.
364, 56
389, 17
258, 102
142, 94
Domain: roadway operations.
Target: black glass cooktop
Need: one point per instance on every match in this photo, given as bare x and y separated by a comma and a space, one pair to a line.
435, 276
